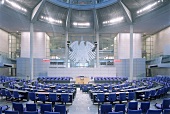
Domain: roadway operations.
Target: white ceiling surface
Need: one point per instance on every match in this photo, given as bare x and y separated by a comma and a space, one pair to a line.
154, 21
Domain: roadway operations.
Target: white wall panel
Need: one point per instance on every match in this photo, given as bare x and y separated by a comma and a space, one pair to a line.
4, 41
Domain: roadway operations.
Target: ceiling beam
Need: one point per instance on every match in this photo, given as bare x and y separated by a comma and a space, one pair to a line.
68, 17
96, 21
37, 10
126, 11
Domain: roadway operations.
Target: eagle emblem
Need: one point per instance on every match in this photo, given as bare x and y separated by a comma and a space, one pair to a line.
81, 52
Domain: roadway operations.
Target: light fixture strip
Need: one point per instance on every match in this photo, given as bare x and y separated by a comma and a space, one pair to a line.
15, 5
51, 20
81, 24
115, 20
149, 6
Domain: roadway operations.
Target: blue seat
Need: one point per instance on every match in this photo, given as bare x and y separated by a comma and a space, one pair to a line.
121, 112
18, 107
65, 98
145, 106
45, 107
165, 104
131, 96
166, 111
60, 108
53, 98
42, 97
120, 107
122, 97
105, 108
32, 96
8, 95
100, 98
154, 111
134, 112
133, 105
146, 96
30, 112
17, 96
31, 107
111, 98
51, 112
11, 112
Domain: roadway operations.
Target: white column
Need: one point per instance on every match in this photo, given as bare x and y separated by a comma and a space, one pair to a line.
97, 50
131, 53
31, 51
66, 50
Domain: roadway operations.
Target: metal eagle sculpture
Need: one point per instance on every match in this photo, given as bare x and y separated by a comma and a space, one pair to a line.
82, 52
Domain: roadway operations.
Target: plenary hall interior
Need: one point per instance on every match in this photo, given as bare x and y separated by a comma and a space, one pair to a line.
84, 56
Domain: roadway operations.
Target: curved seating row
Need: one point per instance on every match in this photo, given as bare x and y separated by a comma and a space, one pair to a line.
109, 79
54, 79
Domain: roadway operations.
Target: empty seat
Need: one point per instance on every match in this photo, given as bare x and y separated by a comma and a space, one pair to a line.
120, 107
165, 104
60, 108
134, 112
105, 108
11, 112
145, 106
154, 111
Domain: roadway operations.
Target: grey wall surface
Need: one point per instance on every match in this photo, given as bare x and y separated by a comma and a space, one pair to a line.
123, 68
160, 71
161, 41
3, 51
123, 45
23, 67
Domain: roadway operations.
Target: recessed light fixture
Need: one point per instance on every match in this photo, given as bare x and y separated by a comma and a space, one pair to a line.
148, 7
51, 20
79, 24
114, 20
15, 5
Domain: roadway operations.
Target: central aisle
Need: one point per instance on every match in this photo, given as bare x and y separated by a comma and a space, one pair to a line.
82, 104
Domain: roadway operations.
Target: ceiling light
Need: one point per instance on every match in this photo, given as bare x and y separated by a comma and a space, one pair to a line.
148, 7
115, 20
15, 5
51, 20
2, 2
86, 24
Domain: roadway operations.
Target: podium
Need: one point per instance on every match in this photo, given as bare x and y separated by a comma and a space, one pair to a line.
82, 80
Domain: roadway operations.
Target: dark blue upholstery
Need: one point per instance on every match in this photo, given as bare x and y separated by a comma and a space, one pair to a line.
53, 98
18, 107
112, 97
134, 112
65, 98
122, 97
60, 108
42, 97
51, 112
145, 106
45, 107
154, 111
131, 96
32, 96
31, 107
166, 111
105, 108
120, 107
11, 112
121, 112
17, 96
30, 112
133, 105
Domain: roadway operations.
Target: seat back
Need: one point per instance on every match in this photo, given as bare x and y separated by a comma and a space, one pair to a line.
65, 97
100, 97
166, 103
60, 108
53, 97
18, 107
131, 95
154, 111
51, 112
105, 108
122, 96
121, 112
120, 107
32, 96
112, 97
31, 107
30, 112
15, 94
45, 107
133, 105
134, 112
42, 97
166, 111
11, 112
145, 106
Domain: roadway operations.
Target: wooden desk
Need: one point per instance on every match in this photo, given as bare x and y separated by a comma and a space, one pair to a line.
82, 80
